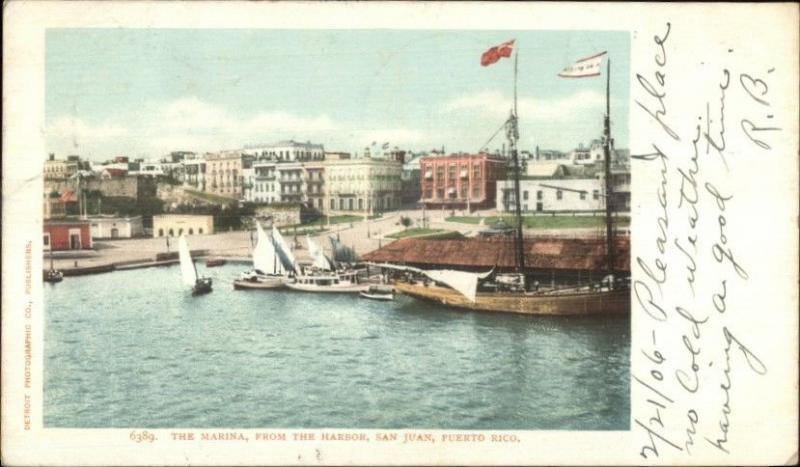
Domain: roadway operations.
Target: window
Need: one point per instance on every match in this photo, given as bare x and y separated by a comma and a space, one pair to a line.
559, 195
191, 231
160, 232
180, 232
539, 194
171, 233
333, 204
525, 195
200, 231
583, 195
46, 239
596, 194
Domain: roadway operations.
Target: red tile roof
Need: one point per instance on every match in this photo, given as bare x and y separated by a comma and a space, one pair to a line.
485, 252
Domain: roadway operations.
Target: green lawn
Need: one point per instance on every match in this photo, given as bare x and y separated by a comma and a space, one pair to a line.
544, 222
416, 232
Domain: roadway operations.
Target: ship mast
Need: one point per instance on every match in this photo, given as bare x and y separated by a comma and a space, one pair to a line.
512, 133
610, 257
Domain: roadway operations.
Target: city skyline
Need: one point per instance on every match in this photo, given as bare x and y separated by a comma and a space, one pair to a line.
144, 93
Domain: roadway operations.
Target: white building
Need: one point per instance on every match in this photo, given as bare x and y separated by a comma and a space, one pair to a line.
115, 227
553, 195
194, 167
265, 188
288, 151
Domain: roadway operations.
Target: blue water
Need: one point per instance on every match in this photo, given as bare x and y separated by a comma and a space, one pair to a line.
134, 349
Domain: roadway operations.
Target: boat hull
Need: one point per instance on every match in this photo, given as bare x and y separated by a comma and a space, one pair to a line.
350, 288
371, 296
270, 284
202, 287
616, 302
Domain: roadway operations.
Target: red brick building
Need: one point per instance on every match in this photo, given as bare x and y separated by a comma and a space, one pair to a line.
460, 181
67, 234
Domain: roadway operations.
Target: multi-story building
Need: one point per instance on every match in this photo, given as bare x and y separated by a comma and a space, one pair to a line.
291, 182
224, 173
315, 185
553, 195
60, 169
568, 188
288, 182
265, 187
287, 151
363, 184
194, 167
460, 180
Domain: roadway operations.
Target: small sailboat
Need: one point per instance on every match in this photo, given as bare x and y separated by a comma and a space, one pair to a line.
199, 285
52, 276
378, 292
267, 272
321, 276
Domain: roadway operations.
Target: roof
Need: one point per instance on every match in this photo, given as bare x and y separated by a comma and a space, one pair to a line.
115, 172
486, 252
543, 169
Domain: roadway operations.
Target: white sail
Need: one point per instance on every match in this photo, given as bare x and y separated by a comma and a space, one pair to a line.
264, 257
188, 272
284, 253
466, 283
318, 255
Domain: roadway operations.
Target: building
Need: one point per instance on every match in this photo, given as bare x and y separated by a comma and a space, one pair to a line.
174, 225
460, 180
553, 195
265, 187
224, 173
194, 167
410, 180
363, 185
314, 178
291, 182
67, 234
567, 188
59, 169
116, 227
286, 151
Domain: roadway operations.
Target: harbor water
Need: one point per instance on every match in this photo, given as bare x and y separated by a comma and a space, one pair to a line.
135, 349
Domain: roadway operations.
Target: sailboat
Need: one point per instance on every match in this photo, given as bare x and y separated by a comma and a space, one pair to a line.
321, 276
267, 272
516, 292
199, 285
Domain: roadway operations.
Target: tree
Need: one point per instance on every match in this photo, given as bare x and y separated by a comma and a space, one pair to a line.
406, 221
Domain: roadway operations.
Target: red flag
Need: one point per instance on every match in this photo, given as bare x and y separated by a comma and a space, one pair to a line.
496, 53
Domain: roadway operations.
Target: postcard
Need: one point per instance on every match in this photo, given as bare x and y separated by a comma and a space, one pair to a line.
399, 233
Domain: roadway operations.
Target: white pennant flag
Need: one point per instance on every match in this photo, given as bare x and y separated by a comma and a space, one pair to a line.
584, 68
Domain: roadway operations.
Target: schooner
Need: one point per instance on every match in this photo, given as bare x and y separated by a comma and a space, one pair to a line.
515, 292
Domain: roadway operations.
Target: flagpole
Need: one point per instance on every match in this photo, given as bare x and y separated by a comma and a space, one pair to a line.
609, 185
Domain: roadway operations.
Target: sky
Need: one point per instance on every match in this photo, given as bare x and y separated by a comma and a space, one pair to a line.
146, 92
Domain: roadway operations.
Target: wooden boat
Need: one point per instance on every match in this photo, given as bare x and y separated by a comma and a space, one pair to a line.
260, 282
52, 276
199, 285
378, 292
212, 263
576, 302
328, 282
